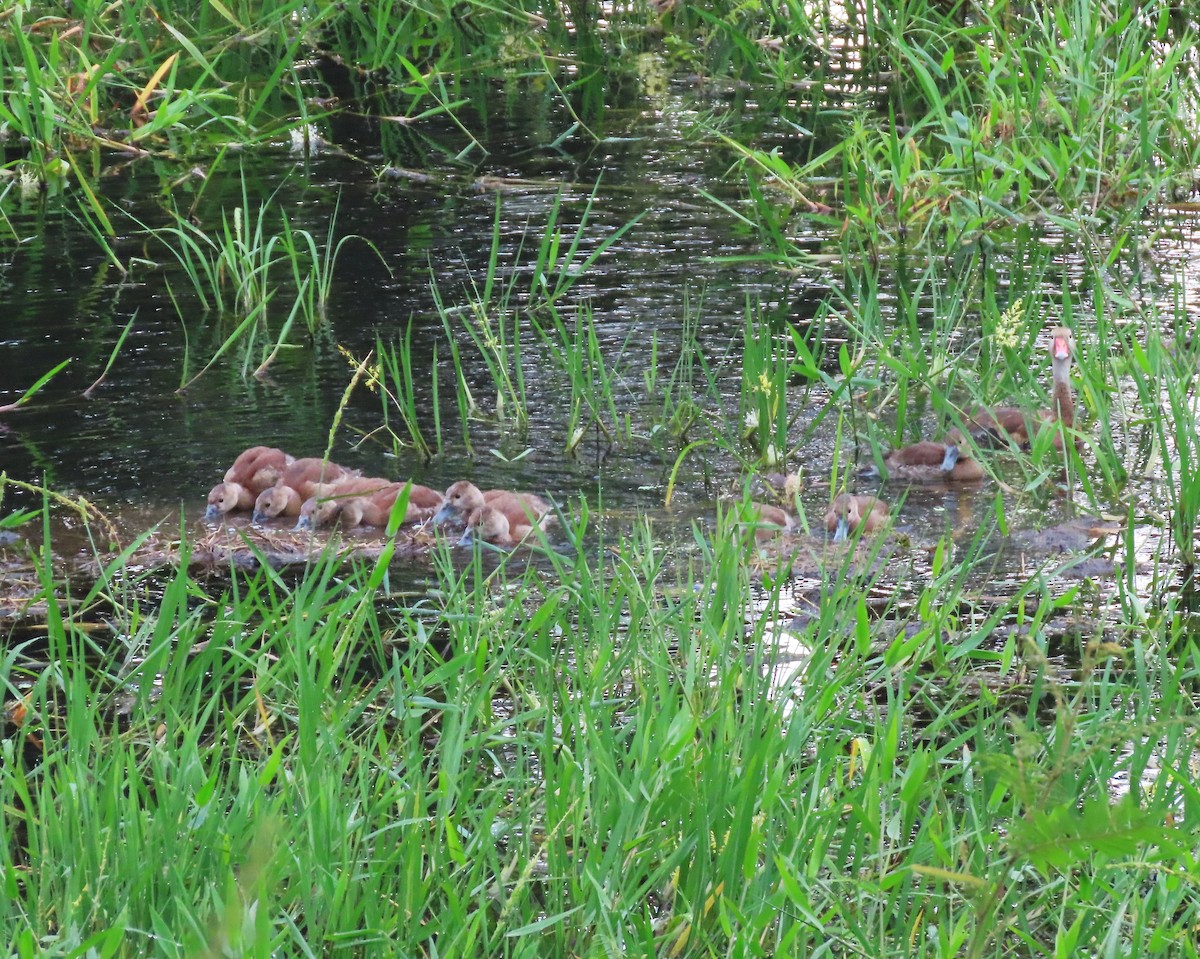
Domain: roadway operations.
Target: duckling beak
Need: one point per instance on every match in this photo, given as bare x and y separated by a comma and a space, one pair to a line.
950, 459
258, 517
468, 537
1062, 349
212, 514
303, 524
842, 530
444, 515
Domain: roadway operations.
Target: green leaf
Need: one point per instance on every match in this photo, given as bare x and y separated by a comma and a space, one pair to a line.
542, 923
1059, 838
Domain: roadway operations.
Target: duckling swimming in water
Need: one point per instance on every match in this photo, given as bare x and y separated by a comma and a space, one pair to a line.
463, 498
849, 513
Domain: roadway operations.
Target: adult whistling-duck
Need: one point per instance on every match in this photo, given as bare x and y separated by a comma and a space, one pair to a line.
928, 462
1019, 425
463, 498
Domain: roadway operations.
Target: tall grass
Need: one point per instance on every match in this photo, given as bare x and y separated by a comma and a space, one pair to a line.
234, 271
764, 408
592, 378
617, 757
402, 396
1069, 112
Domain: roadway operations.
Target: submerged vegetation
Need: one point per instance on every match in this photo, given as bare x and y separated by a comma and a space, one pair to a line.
619, 741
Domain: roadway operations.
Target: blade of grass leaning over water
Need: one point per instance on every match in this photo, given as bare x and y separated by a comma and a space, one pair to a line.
33, 390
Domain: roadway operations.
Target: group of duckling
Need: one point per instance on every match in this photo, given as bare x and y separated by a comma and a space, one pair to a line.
946, 461
273, 485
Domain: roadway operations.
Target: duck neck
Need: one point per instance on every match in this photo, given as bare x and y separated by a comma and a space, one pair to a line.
292, 502
245, 497
1062, 401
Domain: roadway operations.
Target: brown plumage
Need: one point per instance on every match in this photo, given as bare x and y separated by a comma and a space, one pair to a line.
226, 498
299, 480
929, 462
463, 498
849, 513
489, 525
365, 502
304, 475
257, 467
1019, 425
278, 500
766, 520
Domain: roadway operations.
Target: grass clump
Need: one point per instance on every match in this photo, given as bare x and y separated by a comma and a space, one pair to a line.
584, 755
1070, 112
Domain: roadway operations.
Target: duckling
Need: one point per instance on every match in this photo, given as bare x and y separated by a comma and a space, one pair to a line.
365, 502
766, 520
299, 481
323, 506
487, 524
278, 500
847, 513
257, 467
226, 498
463, 498
303, 475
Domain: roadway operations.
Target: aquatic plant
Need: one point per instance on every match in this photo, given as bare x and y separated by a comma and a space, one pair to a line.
403, 398
491, 322
624, 751
234, 272
592, 378
764, 382
692, 382
35, 388
563, 260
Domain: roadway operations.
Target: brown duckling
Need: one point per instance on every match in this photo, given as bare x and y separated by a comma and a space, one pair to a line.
365, 502
849, 513
325, 504
278, 500
765, 519
487, 524
300, 480
463, 498
257, 467
304, 475
227, 498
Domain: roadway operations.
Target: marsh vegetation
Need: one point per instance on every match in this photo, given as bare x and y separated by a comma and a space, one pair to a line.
639, 257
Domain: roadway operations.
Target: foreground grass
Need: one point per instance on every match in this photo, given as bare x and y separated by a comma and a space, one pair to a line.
594, 756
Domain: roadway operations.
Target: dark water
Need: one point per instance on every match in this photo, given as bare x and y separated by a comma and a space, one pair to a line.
141, 449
